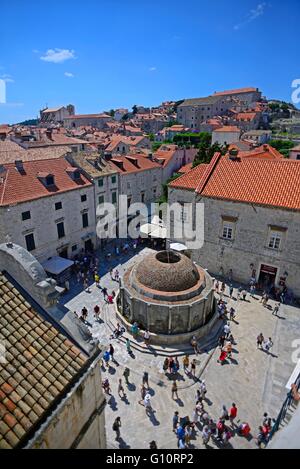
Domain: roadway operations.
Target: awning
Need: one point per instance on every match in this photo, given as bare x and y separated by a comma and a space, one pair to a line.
56, 265
155, 229
178, 247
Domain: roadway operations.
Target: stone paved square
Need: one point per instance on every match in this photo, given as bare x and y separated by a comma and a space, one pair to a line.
254, 380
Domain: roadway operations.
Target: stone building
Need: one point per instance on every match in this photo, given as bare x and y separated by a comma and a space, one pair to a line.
251, 217
56, 115
50, 385
95, 120
193, 112
169, 295
226, 135
245, 95
295, 153
48, 207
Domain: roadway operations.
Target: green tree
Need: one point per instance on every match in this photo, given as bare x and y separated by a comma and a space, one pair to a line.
134, 109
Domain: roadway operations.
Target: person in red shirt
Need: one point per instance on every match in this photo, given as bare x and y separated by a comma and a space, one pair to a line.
233, 413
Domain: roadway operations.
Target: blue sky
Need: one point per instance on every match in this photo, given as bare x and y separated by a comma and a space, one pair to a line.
105, 54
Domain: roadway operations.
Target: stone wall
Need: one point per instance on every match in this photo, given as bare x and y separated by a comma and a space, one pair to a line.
44, 219
249, 248
79, 420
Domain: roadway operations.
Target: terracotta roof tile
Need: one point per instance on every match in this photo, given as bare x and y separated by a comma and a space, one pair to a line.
191, 179
31, 379
259, 181
25, 186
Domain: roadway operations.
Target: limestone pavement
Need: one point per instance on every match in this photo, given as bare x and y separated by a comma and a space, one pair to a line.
254, 380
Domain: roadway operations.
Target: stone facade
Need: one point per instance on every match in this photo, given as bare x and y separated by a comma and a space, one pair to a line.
248, 251
44, 220
78, 422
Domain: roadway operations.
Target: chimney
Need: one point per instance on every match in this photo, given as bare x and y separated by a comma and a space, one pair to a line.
19, 166
266, 147
233, 154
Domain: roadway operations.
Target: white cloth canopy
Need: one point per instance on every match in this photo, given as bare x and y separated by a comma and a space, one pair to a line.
178, 247
56, 265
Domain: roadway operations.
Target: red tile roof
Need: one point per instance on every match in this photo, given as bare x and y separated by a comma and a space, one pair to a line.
191, 179
254, 179
186, 168
263, 152
23, 186
143, 163
246, 116
237, 91
258, 181
83, 116
228, 128
40, 364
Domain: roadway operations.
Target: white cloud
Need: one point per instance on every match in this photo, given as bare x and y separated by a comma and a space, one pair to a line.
57, 56
152, 69
255, 13
7, 78
69, 75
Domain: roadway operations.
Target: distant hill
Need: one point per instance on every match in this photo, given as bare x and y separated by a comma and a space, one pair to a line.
29, 122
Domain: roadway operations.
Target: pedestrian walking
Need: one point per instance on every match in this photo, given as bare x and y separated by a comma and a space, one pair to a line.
174, 390
111, 352
252, 291
106, 357
276, 309
221, 341
97, 279
104, 292
84, 313
222, 357
223, 287
261, 438
226, 329
233, 413
170, 364
86, 285
231, 314
143, 394
175, 421
106, 386
147, 337
260, 340
126, 375
186, 363
217, 286
128, 346
153, 444
121, 391
229, 350
116, 427
166, 364
244, 294
230, 290
206, 434
194, 345
193, 368
111, 274
146, 379
203, 389
267, 345
224, 413
220, 429
147, 403
96, 312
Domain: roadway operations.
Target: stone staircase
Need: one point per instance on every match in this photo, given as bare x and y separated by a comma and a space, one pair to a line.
178, 350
